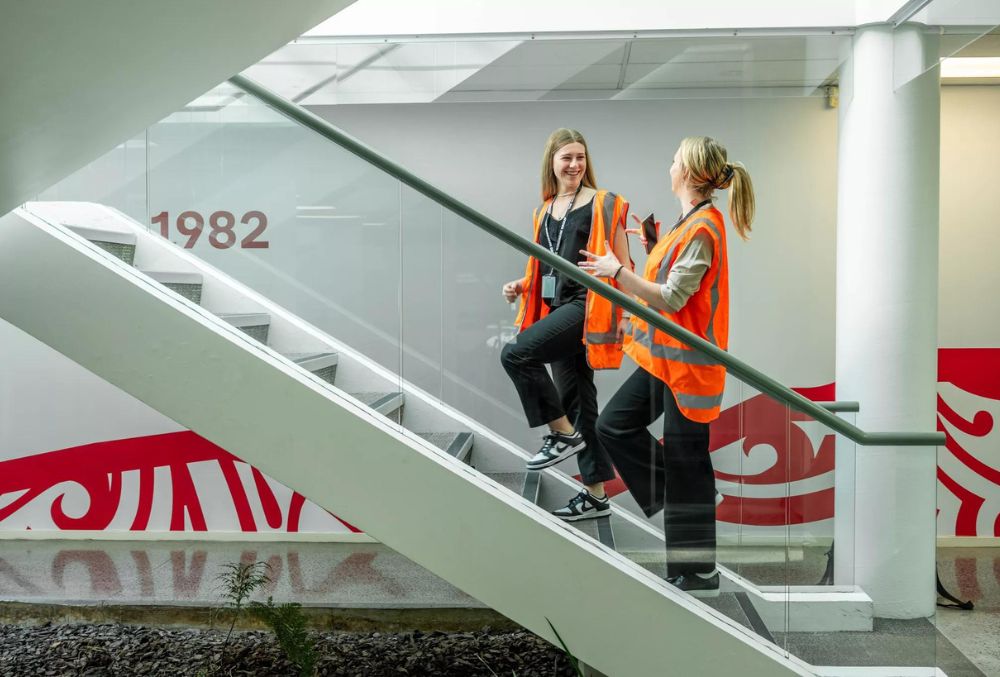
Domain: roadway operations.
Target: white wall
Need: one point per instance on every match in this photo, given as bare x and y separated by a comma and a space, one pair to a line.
491, 158
970, 217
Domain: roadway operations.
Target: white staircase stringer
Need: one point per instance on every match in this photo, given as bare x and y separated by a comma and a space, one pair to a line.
443, 515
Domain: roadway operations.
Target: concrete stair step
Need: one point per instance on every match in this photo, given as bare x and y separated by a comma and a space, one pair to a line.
524, 483
387, 404
599, 529
254, 325
512, 480
185, 284
532, 487
458, 445
103, 227
323, 365
125, 252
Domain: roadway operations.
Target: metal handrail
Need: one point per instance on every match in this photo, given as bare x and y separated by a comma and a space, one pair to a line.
741, 370
841, 407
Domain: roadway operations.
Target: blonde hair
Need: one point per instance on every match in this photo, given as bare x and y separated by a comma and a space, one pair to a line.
707, 169
557, 140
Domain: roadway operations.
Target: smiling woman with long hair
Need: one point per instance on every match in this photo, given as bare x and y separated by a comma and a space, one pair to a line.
563, 325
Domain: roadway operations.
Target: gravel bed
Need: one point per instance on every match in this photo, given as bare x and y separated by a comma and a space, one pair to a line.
56, 650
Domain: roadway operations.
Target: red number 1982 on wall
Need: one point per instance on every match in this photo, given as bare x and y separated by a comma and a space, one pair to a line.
222, 225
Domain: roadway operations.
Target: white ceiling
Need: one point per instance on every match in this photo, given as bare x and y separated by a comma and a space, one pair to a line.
327, 73
465, 17
773, 62
406, 18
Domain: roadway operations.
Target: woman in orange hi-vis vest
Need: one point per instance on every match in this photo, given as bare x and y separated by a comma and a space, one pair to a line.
564, 325
687, 281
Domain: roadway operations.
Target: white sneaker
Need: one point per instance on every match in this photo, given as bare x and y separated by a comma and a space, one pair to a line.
557, 447
584, 506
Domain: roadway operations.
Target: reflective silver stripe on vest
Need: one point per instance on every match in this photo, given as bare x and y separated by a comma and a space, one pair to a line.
668, 257
608, 212
682, 355
599, 338
699, 401
710, 332
661, 276
602, 338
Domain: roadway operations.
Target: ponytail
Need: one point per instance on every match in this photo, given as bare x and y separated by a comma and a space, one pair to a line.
741, 199
707, 169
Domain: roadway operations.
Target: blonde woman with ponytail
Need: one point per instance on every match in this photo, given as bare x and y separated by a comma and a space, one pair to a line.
687, 281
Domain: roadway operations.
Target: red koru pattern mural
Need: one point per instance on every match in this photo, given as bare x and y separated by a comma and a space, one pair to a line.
797, 486
773, 467
969, 465
99, 468
759, 445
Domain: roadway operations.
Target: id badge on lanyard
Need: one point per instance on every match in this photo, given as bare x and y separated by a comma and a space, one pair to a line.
548, 287
549, 280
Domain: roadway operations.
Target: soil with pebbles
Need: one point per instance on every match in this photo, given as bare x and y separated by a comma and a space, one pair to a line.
51, 650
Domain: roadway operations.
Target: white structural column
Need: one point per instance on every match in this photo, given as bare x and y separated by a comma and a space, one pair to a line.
887, 275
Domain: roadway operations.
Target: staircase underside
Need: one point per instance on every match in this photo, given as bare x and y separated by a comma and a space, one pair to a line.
78, 77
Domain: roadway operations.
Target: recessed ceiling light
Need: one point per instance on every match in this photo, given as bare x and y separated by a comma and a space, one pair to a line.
971, 67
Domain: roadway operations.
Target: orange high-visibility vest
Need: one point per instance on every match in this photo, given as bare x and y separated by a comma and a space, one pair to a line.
696, 380
604, 350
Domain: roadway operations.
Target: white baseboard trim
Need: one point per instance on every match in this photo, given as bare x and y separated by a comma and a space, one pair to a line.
968, 542
202, 536
844, 671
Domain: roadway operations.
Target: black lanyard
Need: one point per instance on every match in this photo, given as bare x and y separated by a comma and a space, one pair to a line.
685, 217
562, 225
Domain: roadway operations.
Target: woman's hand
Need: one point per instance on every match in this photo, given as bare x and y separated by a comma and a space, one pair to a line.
638, 231
513, 289
622, 328
601, 266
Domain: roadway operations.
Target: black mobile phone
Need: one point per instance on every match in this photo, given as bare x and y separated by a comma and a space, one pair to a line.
649, 232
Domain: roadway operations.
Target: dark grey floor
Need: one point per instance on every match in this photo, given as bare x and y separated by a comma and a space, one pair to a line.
799, 566
961, 643
369, 576
896, 643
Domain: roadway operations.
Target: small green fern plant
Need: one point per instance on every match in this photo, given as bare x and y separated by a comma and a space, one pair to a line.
289, 626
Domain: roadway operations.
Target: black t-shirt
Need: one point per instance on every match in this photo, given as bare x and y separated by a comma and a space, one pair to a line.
576, 235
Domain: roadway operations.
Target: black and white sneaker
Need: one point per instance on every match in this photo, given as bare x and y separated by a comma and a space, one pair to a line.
697, 585
584, 506
557, 447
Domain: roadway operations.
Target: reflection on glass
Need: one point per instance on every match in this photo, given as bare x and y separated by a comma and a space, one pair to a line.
298, 220
325, 71
116, 179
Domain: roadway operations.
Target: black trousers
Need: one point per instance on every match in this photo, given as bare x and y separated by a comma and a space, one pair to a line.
557, 340
675, 476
